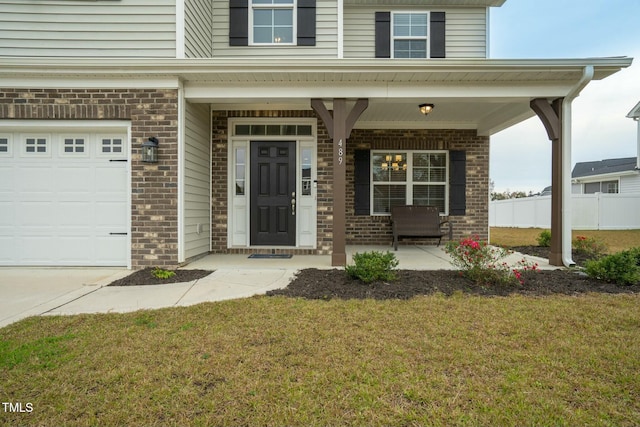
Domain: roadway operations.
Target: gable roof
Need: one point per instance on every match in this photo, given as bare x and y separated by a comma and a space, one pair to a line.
602, 167
635, 112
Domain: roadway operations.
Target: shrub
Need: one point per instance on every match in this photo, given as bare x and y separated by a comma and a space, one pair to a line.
590, 246
544, 239
374, 265
159, 273
480, 262
622, 268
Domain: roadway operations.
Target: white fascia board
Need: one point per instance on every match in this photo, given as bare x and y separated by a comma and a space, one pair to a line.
65, 125
603, 177
79, 82
416, 124
187, 66
210, 93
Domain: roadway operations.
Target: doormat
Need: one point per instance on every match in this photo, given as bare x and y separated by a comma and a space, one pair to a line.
271, 256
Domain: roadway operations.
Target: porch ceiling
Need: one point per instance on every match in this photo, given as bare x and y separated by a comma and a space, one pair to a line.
484, 94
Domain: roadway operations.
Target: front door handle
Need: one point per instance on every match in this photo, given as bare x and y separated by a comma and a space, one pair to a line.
293, 203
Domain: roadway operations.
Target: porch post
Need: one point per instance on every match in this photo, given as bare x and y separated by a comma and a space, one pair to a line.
339, 126
551, 116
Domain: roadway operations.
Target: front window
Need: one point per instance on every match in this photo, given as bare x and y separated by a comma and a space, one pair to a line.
410, 32
610, 187
408, 178
272, 21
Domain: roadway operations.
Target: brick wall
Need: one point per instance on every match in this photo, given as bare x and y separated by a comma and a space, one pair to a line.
360, 229
376, 230
154, 202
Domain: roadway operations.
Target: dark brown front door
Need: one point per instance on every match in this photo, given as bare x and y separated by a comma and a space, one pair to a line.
273, 186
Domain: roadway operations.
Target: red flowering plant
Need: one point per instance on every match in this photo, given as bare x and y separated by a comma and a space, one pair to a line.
590, 246
483, 263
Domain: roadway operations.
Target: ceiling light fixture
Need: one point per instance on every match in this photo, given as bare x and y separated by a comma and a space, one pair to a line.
426, 108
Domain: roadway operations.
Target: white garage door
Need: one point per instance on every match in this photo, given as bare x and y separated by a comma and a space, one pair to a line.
63, 199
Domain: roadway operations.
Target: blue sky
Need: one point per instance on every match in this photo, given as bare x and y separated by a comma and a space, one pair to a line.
521, 155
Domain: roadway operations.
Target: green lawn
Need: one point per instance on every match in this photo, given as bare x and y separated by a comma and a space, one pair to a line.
616, 240
435, 360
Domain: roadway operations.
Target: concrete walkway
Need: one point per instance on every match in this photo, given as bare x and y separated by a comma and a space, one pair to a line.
64, 291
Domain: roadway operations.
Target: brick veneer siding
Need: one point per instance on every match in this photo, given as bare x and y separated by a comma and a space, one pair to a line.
360, 229
219, 182
376, 230
154, 198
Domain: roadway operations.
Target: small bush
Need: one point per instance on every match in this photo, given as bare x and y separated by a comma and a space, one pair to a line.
589, 246
481, 262
374, 265
622, 268
544, 239
159, 273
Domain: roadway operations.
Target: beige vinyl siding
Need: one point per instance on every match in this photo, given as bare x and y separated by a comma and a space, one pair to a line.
197, 187
124, 28
466, 31
326, 35
198, 28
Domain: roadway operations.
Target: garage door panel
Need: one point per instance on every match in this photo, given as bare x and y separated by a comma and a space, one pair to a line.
61, 209
111, 215
37, 179
75, 215
7, 178
74, 180
110, 179
36, 215
106, 247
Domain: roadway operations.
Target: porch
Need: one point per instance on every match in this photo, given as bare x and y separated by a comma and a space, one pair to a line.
410, 257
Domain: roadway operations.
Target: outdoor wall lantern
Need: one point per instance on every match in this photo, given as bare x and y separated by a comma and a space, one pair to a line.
426, 108
150, 150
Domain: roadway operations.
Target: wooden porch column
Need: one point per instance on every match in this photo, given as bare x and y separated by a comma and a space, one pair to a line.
550, 113
339, 126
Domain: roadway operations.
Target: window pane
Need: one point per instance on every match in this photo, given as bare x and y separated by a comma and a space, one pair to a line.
387, 196
401, 24
283, 34
401, 49
592, 188
429, 195
283, 17
418, 24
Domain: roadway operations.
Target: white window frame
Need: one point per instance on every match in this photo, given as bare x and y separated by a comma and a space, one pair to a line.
100, 153
9, 138
426, 38
408, 183
23, 143
74, 153
293, 6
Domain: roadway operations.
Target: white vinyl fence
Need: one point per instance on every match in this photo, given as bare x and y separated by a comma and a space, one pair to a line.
588, 211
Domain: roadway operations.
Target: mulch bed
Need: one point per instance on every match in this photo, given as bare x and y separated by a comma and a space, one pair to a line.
329, 284
144, 277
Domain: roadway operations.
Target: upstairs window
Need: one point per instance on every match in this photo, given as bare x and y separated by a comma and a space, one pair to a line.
410, 35
272, 21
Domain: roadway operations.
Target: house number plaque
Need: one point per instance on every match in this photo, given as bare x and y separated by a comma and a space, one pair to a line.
340, 152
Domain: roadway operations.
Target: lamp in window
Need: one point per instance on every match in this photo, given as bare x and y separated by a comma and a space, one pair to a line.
426, 108
150, 150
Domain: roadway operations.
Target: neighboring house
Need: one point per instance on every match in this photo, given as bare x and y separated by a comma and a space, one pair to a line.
606, 176
282, 126
612, 175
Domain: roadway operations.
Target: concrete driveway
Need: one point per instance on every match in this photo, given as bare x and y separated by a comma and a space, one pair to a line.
34, 291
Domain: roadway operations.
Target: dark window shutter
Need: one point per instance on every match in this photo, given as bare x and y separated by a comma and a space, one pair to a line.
306, 22
457, 182
437, 35
238, 23
383, 34
362, 177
